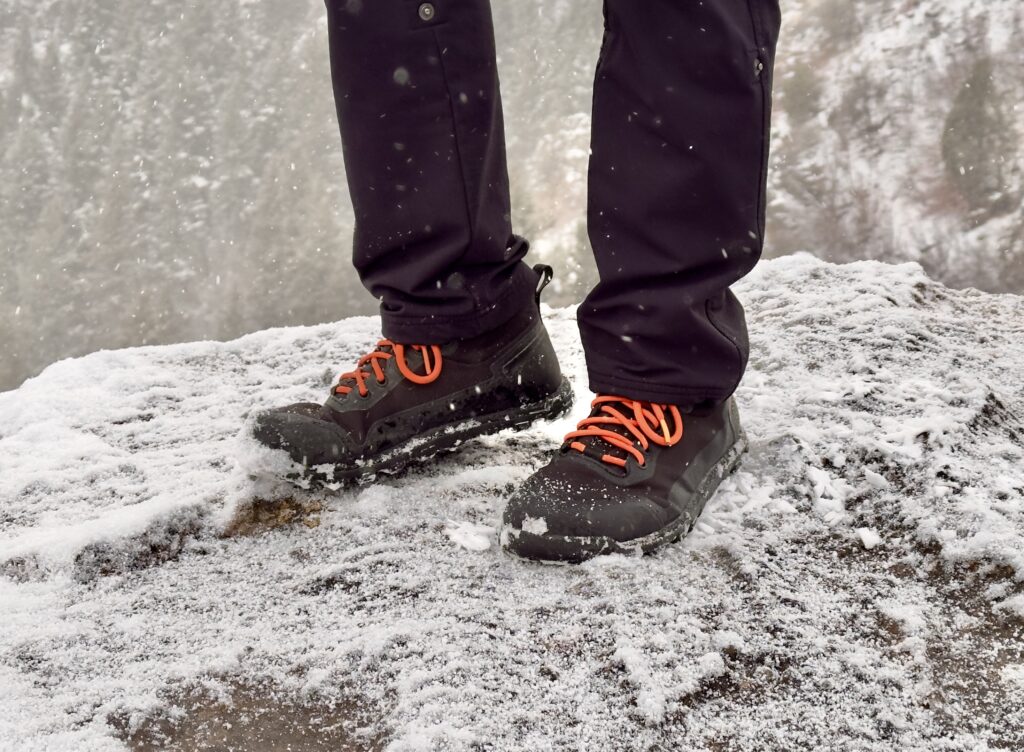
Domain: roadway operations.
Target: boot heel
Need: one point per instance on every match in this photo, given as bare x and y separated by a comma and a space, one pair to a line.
551, 408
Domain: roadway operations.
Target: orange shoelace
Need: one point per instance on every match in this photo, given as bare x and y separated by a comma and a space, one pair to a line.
645, 422
431, 364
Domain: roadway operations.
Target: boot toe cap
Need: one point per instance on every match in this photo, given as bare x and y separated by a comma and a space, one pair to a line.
297, 430
556, 517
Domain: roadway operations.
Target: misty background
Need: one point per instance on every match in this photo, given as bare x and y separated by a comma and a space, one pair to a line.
173, 171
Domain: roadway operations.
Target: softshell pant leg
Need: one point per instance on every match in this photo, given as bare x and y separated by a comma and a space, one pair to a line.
416, 89
681, 113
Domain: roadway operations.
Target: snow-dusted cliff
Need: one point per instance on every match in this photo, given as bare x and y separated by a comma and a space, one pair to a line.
858, 584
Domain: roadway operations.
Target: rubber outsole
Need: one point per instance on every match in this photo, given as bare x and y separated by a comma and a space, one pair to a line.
441, 440
566, 549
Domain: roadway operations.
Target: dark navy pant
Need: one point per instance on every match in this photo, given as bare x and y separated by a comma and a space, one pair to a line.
676, 202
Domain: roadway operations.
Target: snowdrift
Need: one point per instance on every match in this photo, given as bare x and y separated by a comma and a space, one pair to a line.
859, 583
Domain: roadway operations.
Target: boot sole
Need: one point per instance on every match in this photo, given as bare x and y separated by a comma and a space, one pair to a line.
567, 549
444, 439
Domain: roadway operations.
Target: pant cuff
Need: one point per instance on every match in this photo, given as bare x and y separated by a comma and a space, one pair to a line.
436, 329
687, 399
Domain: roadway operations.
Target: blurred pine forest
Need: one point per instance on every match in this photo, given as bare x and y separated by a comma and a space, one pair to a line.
173, 171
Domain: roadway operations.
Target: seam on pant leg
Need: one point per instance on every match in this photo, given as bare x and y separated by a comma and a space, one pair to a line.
462, 163
755, 26
602, 51
762, 174
739, 351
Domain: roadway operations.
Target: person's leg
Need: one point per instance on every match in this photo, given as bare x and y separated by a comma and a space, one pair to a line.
465, 351
682, 101
416, 88
676, 214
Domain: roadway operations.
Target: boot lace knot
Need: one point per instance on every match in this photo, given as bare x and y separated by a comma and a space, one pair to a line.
627, 425
371, 364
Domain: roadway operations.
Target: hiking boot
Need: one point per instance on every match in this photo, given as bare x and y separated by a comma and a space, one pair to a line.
632, 477
407, 403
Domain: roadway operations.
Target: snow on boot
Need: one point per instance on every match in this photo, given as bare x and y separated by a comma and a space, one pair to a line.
632, 477
407, 403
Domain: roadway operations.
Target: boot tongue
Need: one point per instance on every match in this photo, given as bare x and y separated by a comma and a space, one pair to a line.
596, 445
413, 359
335, 410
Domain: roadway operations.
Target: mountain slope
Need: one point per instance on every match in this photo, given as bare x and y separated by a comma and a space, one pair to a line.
172, 172
898, 136
859, 583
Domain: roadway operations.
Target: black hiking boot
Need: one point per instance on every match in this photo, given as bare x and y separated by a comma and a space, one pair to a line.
407, 403
632, 477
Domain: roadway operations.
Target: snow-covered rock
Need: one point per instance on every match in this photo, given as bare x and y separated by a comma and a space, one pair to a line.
147, 581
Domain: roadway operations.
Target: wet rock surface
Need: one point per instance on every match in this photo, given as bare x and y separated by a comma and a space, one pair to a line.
238, 717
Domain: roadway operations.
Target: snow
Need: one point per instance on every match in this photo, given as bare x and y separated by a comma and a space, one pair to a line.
470, 536
537, 526
1015, 674
868, 537
147, 577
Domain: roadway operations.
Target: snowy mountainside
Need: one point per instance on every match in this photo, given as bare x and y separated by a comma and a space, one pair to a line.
857, 584
897, 132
